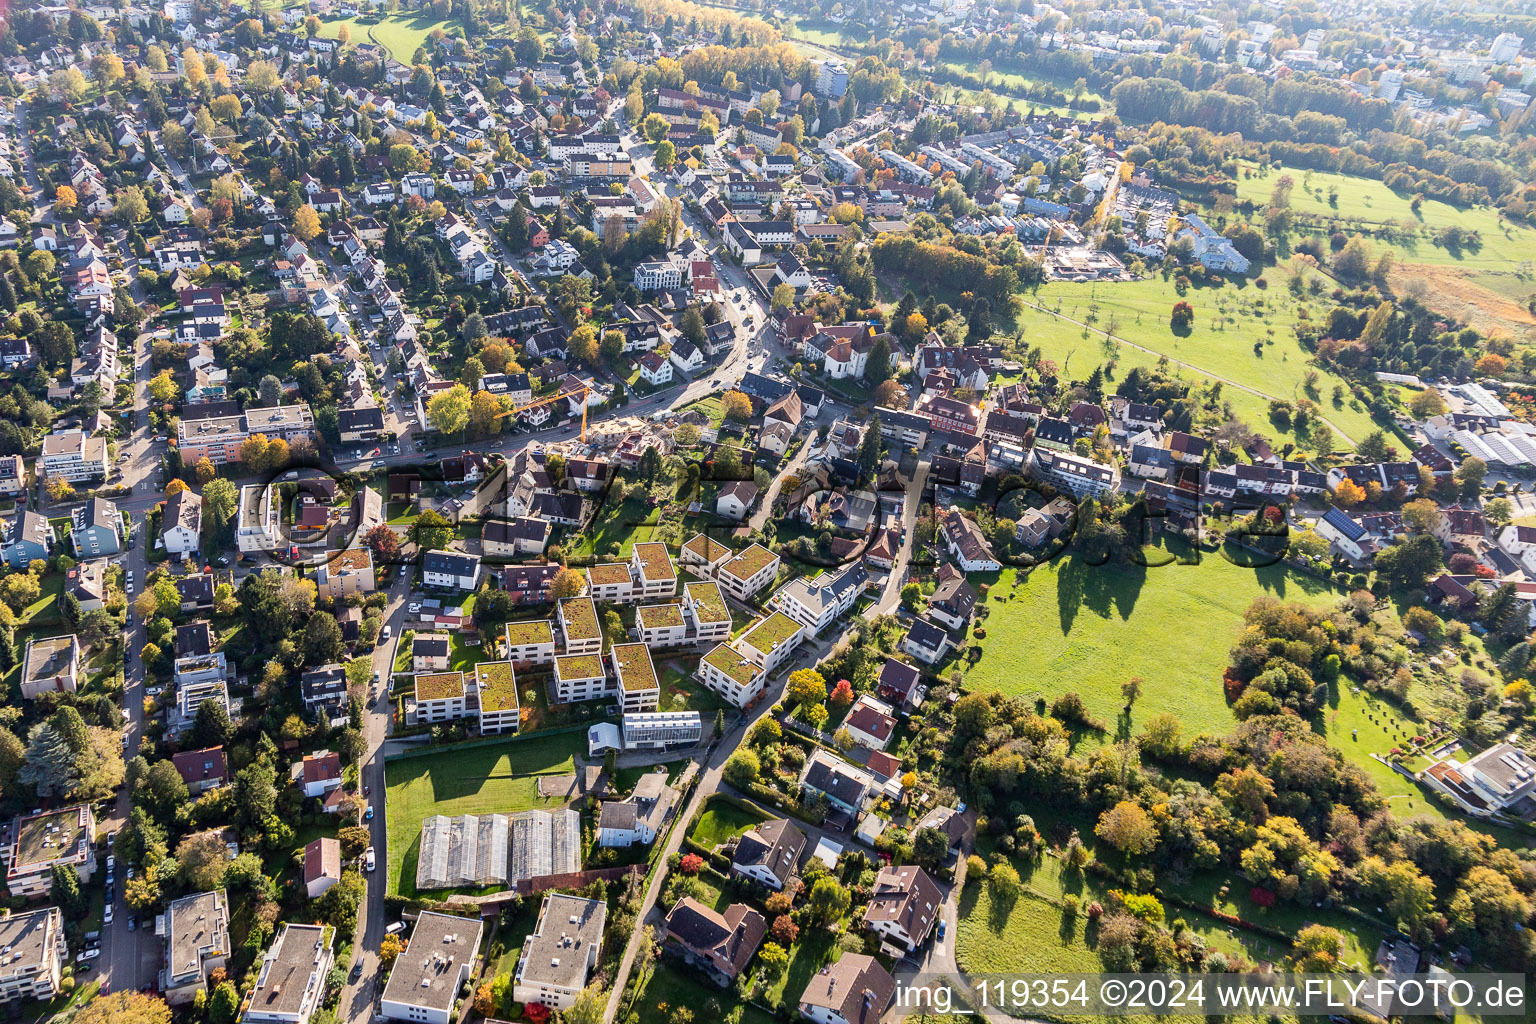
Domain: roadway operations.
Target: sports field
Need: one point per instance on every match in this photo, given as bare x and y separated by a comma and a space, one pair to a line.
1074, 626
1229, 320
499, 778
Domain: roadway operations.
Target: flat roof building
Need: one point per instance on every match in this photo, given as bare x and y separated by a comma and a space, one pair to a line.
560, 955
425, 980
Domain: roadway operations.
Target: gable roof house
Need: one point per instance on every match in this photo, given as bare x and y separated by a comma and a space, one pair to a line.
769, 853
719, 944
903, 907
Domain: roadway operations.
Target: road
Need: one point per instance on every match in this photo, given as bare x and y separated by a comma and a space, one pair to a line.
358, 998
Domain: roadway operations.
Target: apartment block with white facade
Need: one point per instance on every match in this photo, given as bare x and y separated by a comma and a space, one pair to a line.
74, 455
651, 566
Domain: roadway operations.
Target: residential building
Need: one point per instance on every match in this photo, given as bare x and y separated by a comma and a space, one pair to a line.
496, 688
450, 570
903, 907
1081, 476
96, 528
718, 944
1501, 779
651, 565
769, 853
50, 665
258, 521
424, 984
346, 573
291, 982
74, 455
322, 866
661, 625
324, 692
610, 582
430, 652
181, 527
558, 958
579, 626
966, 543
580, 677
25, 537
45, 838
319, 773
707, 613
816, 601
36, 952
749, 572
201, 770
854, 990
531, 642
639, 818
440, 697
845, 786
953, 600
870, 722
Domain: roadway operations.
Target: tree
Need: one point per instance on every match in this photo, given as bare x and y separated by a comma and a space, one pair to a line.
1469, 475
828, 900
1182, 317
1499, 512
390, 950
448, 411
224, 1004
1410, 563
58, 489
929, 847
589, 1007
1423, 515
583, 343
1348, 494
269, 390
306, 223
1425, 404
200, 861
211, 726
323, 642
50, 767
124, 1007
431, 531
806, 687
1130, 690
162, 387
130, 206
1375, 447
383, 541
163, 789
773, 959
64, 200
220, 500
338, 907
743, 768
567, 582
1128, 828
65, 889
783, 297
1316, 949
736, 405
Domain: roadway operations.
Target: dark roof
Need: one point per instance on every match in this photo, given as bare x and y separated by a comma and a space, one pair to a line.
195, 638
775, 845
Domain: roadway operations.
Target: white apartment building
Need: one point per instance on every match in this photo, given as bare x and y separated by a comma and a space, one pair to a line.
425, 981
74, 456
708, 615
562, 952
651, 566
440, 697
531, 643
257, 523
580, 677
291, 982
749, 572
35, 948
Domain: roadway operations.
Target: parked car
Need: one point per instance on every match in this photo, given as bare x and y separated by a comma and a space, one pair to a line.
368, 858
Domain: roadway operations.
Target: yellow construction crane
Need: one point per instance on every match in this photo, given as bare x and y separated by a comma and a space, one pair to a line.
583, 391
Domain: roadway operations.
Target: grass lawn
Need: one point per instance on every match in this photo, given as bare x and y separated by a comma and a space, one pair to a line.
1030, 936
696, 696
631, 522
1380, 728
720, 821
464, 657
672, 985
1485, 284
1367, 202
499, 778
400, 35
1076, 626
1229, 320
815, 948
